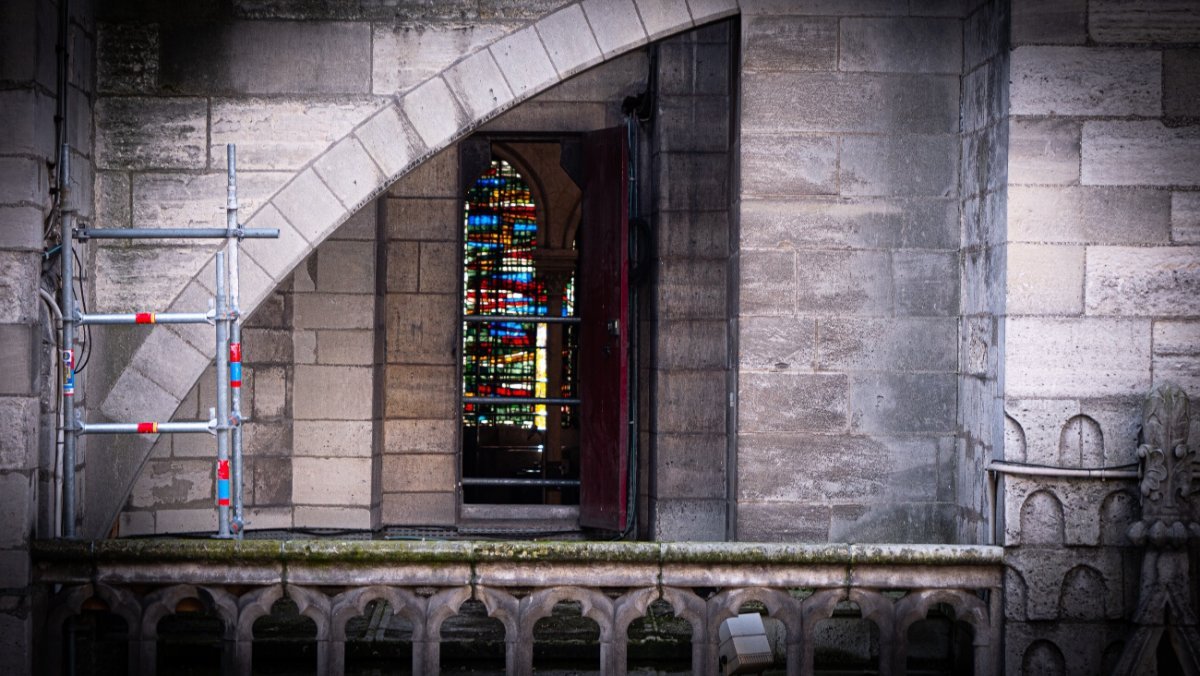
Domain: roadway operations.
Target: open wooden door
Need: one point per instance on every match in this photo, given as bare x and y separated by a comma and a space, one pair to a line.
603, 306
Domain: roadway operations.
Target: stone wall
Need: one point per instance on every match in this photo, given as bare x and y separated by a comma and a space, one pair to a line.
985, 151
849, 294
30, 91
1103, 271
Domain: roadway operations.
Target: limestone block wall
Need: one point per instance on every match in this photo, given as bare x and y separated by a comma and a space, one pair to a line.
985, 149
685, 338
847, 320
1103, 271
311, 437
29, 95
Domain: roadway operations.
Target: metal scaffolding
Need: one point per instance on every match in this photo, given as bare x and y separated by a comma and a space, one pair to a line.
224, 314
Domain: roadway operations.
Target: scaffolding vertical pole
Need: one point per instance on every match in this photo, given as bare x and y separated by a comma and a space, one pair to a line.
235, 336
223, 426
66, 262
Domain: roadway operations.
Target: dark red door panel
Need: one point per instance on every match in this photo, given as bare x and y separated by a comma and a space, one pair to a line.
603, 293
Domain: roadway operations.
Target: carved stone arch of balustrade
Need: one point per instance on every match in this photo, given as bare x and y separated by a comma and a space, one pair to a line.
690, 607
69, 602
872, 605
539, 604
439, 607
967, 608
627, 608
506, 608
163, 602
386, 144
780, 606
352, 603
252, 606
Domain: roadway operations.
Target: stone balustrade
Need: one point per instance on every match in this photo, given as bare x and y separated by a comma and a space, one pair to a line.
330, 582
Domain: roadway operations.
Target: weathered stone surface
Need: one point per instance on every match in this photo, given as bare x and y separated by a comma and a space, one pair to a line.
18, 433
419, 473
904, 522
690, 344
269, 483
332, 438
900, 45
22, 180
615, 24
1057, 22
701, 234
419, 509
346, 267
421, 392
276, 257
179, 200
691, 289
690, 466
891, 344
568, 40
306, 516
524, 62
422, 328
334, 311
27, 116
789, 165
698, 123
1088, 215
1185, 217
773, 522
826, 7
790, 43
478, 84
985, 95
270, 392
1181, 82
903, 402
777, 343
1132, 281
346, 347
127, 58
693, 182
689, 520
171, 361
1140, 153
19, 273
151, 133
554, 116
850, 222
424, 219
388, 141
1044, 151
405, 55
708, 10
768, 283
143, 277
1151, 21
420, 436
850, 102
838, 468
662, 17
278, 134
899, 165
332, 393
844, 282
314, 484
271, 57
1045, 279
691, 401
309, 205
439, 267
814, 402
23, 228
621, 76
433, 112
924, 283
1085, 81
173, 483
686, 68
1085, 357
403, 264
202, 520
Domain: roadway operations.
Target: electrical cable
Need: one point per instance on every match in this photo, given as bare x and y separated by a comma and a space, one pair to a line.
86, 350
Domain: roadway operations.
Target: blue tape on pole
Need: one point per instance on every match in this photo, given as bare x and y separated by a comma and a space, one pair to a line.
223, 490
235, 371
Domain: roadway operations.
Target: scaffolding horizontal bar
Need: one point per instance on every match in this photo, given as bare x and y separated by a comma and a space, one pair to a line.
196, 426
520, 400
149, 318
532, 483
175, 233
518, 319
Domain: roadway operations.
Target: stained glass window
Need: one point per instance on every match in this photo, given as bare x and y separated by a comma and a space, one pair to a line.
499, 278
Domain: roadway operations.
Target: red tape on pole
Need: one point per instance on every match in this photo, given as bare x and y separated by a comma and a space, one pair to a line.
144, 318
147, 428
